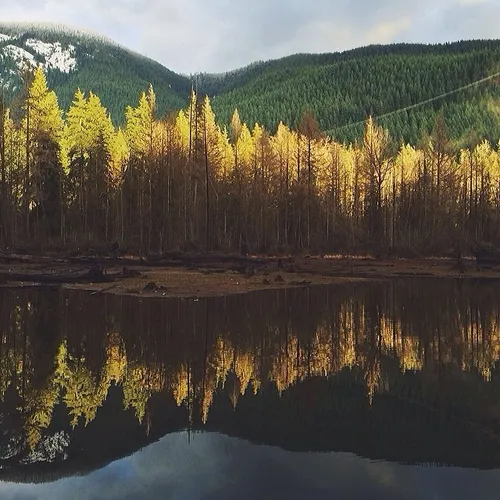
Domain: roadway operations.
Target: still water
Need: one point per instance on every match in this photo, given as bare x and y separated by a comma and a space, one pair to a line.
386, 390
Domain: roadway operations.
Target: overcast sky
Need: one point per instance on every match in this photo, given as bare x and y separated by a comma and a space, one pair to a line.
217, 35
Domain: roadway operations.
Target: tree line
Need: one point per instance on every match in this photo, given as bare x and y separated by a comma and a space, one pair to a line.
184, 182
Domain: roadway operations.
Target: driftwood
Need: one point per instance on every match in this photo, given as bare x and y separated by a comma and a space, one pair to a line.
92, 275
103, 290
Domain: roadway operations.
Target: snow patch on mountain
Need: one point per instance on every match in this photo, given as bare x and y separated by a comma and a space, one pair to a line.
19, 55
4, 38
55, 55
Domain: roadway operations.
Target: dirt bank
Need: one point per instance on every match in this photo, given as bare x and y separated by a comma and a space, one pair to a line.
184, 275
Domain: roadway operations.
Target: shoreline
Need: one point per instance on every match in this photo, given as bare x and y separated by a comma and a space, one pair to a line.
196, 276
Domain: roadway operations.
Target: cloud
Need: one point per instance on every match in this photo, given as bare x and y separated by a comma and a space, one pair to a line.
387, 32
195, 35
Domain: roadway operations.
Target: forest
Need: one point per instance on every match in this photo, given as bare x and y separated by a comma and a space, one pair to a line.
342, 89
185, 182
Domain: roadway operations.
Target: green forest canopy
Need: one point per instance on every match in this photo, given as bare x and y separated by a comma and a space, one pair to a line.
340, 89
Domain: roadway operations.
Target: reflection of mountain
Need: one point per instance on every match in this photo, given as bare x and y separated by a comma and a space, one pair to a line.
378, 370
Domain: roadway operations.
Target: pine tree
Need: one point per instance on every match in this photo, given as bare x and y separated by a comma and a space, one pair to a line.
88, 130
376, 166
43, 127
141, 132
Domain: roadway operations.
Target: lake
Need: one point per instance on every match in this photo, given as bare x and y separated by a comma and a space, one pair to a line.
380, 390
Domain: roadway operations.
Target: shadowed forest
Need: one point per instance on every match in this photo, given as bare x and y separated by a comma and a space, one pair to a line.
184, 182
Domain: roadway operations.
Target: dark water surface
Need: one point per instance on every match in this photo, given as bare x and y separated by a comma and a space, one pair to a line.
384, 390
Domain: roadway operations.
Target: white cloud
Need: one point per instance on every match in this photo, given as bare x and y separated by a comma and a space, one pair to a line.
387, 32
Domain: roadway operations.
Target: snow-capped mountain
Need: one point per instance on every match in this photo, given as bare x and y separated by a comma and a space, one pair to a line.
75, 59
27, 46
33, 52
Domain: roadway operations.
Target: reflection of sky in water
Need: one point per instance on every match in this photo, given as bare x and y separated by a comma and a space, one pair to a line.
214, 467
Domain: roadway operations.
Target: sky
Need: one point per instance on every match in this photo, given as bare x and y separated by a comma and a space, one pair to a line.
191, 36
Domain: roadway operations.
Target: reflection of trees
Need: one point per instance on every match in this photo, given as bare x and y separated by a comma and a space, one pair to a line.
54, 351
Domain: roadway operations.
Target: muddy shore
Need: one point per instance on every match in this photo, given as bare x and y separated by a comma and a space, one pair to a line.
211, 275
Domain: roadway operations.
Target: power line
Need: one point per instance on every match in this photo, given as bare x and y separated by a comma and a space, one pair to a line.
421, 103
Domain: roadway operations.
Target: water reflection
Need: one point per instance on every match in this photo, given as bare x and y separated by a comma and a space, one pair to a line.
215, 467
383, 370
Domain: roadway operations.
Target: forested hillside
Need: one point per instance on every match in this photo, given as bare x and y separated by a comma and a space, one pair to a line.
404, 85
343, 88
186, 182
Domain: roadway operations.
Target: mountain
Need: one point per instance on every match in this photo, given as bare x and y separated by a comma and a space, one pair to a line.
405, 85
74, 59
343, 88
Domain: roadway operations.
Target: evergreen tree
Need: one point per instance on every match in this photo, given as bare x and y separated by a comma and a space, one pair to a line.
42, 125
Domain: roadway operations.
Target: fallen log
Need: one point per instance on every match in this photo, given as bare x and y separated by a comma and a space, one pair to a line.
179, 258
103, 290
94, 274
